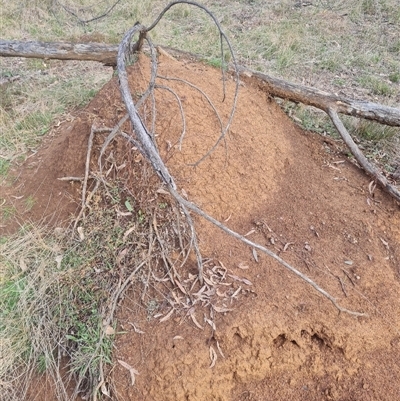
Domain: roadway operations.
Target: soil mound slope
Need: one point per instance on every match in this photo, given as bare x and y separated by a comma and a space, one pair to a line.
287, 189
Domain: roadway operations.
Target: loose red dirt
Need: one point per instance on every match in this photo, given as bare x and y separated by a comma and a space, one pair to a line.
292, 191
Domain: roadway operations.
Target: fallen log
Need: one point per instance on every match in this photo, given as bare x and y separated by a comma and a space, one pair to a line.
330, 103
102, 53
107, 54
326, 101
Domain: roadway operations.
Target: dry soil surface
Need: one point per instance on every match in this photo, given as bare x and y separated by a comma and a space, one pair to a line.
270, 335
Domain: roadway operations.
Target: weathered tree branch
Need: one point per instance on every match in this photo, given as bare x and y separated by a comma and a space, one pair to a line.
150, 151
324, 100
106, 54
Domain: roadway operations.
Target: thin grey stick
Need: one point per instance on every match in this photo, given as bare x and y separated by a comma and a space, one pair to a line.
181, 110
203, 94
236, 69
194, 208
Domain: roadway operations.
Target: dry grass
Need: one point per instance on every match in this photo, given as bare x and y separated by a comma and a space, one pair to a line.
53, 289
59, 288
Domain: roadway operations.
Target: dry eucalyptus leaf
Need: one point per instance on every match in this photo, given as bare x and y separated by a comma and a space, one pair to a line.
287, 246
176, 298
180, 286
191, 277
220, 351
210, 292
242, 280
109, 331
193, 317
178, 338
105, 390
208, 281
213, 357
81, 233
211, 323
58, 260
242, 266
384, 243
220, 309
123, 214
167, 316
127, 232
160, 280
162, 191
236, 292
59, 232
121, 255
132, 371
137, 330
371, 187
255, 255
202, 289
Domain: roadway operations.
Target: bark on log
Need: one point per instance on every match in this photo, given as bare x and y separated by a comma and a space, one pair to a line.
106, 54
324, 100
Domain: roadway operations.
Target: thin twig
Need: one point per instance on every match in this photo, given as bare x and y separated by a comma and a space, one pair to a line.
194, 208
181, 110
236, 69
85, 201
71, 178
91, 19
87, 166
202, 93
85, 178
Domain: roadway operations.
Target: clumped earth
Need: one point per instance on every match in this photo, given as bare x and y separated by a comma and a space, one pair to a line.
297, 193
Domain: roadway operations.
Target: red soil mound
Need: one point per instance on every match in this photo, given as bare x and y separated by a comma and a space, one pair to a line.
292, 192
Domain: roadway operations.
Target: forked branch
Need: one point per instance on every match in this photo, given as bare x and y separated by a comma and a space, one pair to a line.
150, 151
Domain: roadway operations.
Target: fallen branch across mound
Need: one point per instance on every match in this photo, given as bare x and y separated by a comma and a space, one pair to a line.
107, 54
332, 104
149, 149
145, 140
